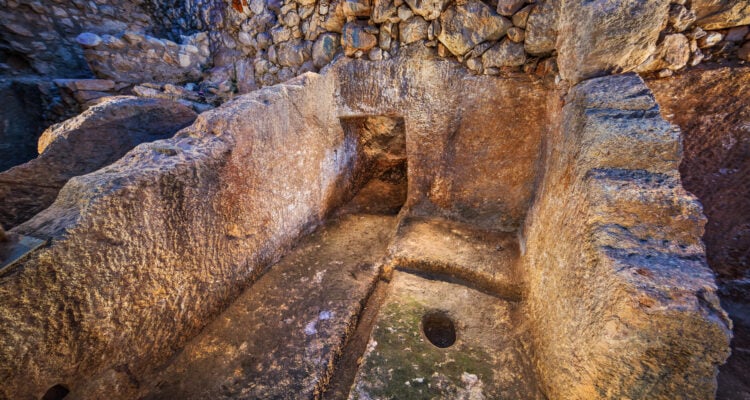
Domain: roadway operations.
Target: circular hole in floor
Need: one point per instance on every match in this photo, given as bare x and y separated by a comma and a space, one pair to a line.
57, 392
439, 329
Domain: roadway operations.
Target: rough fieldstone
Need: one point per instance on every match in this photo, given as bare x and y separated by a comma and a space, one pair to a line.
384, 35
376, 54
88, 39
595, 42
466, 25
516, 34
285, 74
710, 39
541, 29
291, 54
405, 13
291, 19
257, 6
521, 17
355, 36
478, 50
680, 17
356, 8
281, 33
737, 34
504, 54
334, 19
383, 11
263, 40
427, 9
474, 65
721, 14
672, 53
509, 7
413, 30
324, 49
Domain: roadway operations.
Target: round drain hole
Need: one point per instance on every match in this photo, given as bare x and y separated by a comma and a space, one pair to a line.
439, 329
57, 392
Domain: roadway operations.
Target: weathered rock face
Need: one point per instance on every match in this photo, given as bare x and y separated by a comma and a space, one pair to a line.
595, 38
98, 137
196, 197
285, 336
135, 58
713, 114
466, 25
213, 188
411, 119
710, 108
487, 362
461, 151
721, 14
163, 239
610, 184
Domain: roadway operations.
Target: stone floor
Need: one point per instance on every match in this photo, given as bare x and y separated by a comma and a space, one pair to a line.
280, 338
323, 324
412, 354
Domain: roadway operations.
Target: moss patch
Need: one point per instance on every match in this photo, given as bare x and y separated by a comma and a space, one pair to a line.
404, 364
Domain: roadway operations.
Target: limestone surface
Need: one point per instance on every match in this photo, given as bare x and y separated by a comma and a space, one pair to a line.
606, 202
541, 225
96, 138
487, 360
281, 337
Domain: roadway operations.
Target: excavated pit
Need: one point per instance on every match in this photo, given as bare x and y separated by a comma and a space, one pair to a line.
303, 256
439, 329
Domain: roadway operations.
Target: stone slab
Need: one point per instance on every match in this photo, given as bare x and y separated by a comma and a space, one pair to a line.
488, 359
486, 258
279, 339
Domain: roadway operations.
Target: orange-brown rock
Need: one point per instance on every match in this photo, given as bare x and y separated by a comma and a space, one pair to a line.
573, 208
710, 106
619, 290
712, 110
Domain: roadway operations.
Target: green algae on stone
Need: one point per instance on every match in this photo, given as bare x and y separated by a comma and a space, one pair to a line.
486, 361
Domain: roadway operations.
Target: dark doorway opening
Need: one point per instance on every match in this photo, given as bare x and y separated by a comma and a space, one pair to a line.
379, 180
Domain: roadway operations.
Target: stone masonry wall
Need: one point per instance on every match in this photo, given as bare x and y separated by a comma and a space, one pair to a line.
491, 37
38, 36
239, 45
243, 45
